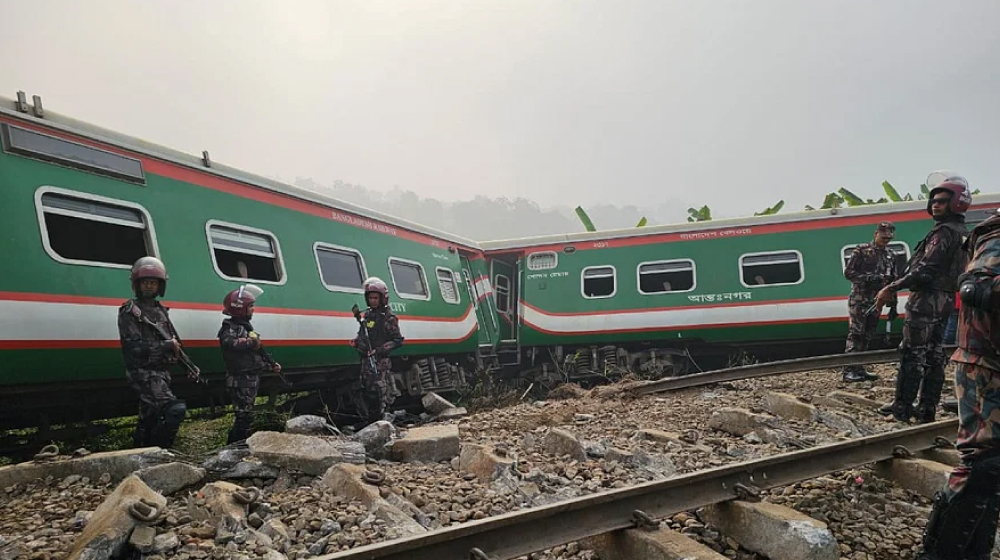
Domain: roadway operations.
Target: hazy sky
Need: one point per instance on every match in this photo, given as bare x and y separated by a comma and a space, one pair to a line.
731, 103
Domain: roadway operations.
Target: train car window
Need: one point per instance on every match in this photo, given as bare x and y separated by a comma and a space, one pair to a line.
408, 278
446, 281
502, 293
340, 269
36, 145
771, 269
666, 276
91, 230
900, 250
543, 261
244, 253
598, 282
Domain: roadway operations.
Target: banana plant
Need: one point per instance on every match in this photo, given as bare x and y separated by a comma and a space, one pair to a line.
771, 210
589, 225
702, 214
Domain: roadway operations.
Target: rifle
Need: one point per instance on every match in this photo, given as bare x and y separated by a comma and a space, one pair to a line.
182, 356
891, 316
268, 359
365, 336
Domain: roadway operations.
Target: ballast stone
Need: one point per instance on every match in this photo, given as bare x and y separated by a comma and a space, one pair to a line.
776, 531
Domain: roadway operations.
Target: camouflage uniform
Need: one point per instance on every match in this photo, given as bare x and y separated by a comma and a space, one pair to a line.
869, 269
963, 522
244, 364
932, 278
383, 330
147, 361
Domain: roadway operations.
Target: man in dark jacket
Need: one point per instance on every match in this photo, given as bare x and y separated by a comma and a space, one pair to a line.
932, 278
963, 522
378, 336
244, 356
871, 267
149, 355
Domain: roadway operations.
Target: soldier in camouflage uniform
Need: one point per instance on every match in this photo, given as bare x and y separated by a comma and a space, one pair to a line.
148, 356
963, 522
871, 267
381, 329
244, 357
932, 278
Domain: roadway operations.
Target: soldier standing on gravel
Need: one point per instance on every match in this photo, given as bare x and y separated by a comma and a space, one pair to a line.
963, 522
148, 356
244, 357
871, 267
932, 278
378, 335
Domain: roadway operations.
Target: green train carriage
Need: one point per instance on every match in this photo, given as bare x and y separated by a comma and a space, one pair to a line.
79, 204
669, 300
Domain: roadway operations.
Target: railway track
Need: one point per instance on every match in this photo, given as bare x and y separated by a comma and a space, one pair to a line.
523, 532
766, 369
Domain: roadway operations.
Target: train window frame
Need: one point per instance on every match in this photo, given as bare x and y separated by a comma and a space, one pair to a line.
532, 257
423, 276
799, 258
322, 245
614, 281
9, 142
844, 258
638, 276
458, 295
152, 244
276, 244
505, 291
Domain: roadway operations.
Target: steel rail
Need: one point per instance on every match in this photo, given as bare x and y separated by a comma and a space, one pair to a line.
522, 532
779, 367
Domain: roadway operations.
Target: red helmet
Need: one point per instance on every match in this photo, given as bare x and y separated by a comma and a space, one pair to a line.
961, 195
149, 267
375, 284
239, 302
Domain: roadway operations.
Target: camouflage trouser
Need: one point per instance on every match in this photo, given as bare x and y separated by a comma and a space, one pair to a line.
921, 366
242, 390
160, 411
379, 386
978, 392
862, 329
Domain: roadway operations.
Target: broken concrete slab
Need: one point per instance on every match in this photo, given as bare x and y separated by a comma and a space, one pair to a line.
917, 475
117, 464
435, 404
738, 421
309, 454
429, 444
226, 504
348, 481
171, 477
237, 464
855, 400
481, 461
789, 407
672, 437
944, 455
453, 413
377, 438
310, 425
112, 523
561, 442
776, 531
659, 544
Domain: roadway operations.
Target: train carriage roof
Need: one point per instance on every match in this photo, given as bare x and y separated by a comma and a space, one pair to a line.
68, 124
64, 123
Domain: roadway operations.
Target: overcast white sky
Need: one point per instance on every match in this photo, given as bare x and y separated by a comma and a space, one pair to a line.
731, 103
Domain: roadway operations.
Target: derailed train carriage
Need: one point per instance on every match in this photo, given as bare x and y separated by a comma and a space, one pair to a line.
79, 204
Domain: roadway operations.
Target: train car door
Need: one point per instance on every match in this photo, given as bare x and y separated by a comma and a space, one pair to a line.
504, 278
478, 284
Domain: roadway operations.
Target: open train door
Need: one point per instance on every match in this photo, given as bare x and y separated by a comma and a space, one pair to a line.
506, 286
477, 282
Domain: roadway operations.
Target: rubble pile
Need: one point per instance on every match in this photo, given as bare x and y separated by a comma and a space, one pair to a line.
311, 490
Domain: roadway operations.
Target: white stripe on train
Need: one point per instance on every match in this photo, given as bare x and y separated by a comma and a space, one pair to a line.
702, 317
31, 320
